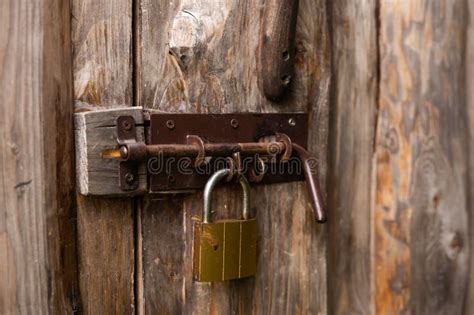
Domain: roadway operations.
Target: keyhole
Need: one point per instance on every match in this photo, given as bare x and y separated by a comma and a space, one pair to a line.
285, 55
215, 247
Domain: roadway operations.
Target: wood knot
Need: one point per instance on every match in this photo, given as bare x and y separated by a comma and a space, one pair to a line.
436, 198
455, 245
456, 242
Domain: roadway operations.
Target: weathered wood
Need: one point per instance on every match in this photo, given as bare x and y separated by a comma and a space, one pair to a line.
419, 219
354, 106
161, 217
37, 228
102, 32
469, 59
277, 47
212, 68
95, 132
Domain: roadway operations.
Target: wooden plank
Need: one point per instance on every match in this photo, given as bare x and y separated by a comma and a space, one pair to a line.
96, 131
101, 35
354, 106
420, 223
212, 68
37, 228
160, 217
469, 59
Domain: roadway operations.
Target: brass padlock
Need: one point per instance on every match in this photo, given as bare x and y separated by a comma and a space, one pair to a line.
226, 249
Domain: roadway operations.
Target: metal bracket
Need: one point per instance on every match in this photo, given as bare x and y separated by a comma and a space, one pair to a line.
183, 150
222, 130
128, 171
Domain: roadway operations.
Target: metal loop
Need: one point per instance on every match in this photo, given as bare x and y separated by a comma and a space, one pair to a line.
254, 176
200, 159
211, 184
281, 137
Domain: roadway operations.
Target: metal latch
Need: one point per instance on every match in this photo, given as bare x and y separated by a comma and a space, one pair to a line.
133, 152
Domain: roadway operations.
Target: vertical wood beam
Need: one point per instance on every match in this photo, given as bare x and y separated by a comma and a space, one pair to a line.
37, 228
102, 60
354, 108
415, 235
420, 214
469, 57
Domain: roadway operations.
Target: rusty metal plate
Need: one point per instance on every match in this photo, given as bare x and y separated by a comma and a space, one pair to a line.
128, 172
169, 174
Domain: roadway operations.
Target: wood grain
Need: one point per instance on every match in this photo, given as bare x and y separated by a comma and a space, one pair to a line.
101, 35
420, 241
469, 59
96, 131
278, 46
208, 64
354, 109
37, 228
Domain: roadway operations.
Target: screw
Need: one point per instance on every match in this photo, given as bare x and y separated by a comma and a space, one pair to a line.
292, 122
129, 178
170, 124
234, 123
171, 178
123, 152
126, 125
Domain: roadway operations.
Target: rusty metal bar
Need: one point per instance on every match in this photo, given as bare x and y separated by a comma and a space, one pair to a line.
312, 183
140, 151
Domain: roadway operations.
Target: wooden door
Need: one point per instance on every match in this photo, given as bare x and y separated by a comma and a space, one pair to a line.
387, 86
197, 57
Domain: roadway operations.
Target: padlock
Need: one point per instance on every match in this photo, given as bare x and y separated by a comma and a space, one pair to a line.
225, 249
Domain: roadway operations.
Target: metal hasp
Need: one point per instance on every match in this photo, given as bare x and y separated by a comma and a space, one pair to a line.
183, 150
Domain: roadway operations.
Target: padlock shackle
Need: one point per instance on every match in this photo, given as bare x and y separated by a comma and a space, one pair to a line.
211, 184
